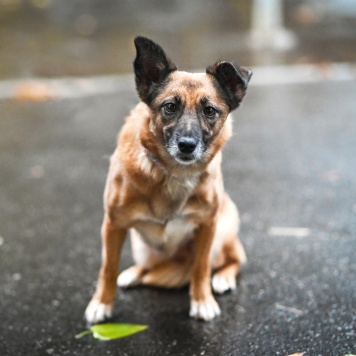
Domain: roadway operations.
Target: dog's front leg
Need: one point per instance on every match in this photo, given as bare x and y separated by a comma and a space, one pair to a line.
100, 306
203, 305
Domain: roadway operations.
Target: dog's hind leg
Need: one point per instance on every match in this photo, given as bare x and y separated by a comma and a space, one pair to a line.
154, 267
224, 278
145, 258
168, 274
131, 276
228, 253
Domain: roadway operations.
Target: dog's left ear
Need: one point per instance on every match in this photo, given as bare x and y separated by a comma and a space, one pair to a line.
151, 67
233, 80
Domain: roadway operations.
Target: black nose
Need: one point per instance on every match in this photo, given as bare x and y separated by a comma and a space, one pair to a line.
187, 144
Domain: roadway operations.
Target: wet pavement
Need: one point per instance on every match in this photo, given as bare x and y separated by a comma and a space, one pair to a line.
290, 164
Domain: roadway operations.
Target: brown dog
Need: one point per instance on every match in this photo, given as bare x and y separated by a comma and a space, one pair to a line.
165, 185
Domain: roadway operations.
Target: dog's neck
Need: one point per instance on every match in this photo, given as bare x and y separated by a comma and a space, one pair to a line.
155, 161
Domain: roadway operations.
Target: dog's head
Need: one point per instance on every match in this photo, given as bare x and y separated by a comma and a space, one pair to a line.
188, 110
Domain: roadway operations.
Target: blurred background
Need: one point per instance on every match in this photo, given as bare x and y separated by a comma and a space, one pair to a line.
58, 38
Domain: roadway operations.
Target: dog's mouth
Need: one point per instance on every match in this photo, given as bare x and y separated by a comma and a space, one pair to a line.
185, 159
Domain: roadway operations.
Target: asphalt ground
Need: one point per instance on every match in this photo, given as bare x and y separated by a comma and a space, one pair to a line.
290, 164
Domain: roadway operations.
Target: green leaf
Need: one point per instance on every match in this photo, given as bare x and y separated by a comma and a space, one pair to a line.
83, 333
115, 331
112, 331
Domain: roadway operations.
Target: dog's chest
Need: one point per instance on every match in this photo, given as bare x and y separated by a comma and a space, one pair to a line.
165, 235
170, 199
165, 224
177, 231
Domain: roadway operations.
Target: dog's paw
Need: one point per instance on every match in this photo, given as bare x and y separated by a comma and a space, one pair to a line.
222, 284
205, 310
130, 277
97, 312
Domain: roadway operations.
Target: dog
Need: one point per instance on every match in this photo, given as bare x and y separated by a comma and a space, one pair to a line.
165, 186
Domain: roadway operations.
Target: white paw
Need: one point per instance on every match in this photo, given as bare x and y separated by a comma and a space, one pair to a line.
222, 284
97, 312
128, 278
205, 310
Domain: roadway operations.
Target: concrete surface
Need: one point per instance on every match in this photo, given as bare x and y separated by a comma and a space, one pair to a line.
291, 163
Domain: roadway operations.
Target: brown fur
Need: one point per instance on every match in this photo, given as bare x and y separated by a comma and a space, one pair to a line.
182, 223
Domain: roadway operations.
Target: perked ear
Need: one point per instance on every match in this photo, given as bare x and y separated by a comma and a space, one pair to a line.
232, 79
151, 67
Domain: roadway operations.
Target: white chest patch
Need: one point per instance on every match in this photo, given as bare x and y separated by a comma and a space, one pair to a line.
176, 232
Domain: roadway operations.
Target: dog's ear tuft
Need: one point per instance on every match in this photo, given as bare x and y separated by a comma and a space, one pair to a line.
151, 67
233, 80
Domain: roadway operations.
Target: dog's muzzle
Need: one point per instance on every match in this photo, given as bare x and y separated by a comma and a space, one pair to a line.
185, 147
188, 150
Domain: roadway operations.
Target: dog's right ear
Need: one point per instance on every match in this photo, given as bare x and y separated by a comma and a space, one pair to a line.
151, 67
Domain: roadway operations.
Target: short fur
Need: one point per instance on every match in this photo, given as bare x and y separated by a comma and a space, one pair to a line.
165, 185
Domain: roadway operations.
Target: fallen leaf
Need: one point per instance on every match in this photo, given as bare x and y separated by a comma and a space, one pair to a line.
112, 331
297, 354
33, 91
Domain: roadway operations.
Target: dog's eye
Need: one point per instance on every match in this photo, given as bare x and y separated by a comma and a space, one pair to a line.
209, 111
170, 108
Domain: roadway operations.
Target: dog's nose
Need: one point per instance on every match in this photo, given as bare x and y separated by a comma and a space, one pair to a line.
187, 144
